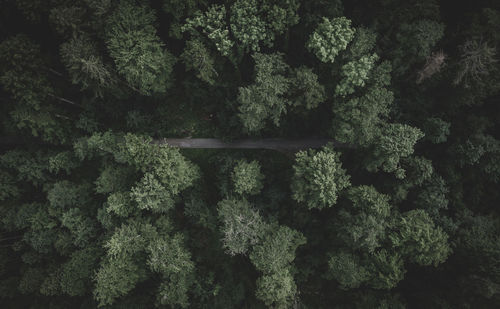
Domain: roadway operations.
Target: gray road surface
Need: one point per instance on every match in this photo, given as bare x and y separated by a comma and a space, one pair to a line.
263, 143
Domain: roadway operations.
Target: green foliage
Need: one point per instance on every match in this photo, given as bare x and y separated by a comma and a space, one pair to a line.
355, 74
362, 43
116, 278
211, 24
137, 50
150, 194
477, 59
359, 120
330, 38
247, 177
113, 178
256, 21
477, 250
395, 142
276, 290
319, 178
416, 41
363, 226
77, 272
30, 167
119, 203
276, 250
82, 227
242, 226
85, 65
264, 99
436, 130
248, 27
23, 77
433, 197
64, 195
418, 170
173, 261
64, 160
420, 240
387, 269
345, 268
122, 220
67, 20
196, 57
306, 90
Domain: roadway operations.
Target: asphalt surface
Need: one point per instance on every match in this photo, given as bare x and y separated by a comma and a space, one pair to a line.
263, 143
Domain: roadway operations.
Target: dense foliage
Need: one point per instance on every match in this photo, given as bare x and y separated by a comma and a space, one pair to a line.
399, 210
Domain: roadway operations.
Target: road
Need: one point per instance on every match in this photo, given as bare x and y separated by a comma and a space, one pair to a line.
279, 144
262, 143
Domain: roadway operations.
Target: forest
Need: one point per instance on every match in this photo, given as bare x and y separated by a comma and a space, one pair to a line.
397, 209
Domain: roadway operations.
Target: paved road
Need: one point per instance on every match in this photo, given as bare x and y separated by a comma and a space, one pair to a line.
280, 144
263, 143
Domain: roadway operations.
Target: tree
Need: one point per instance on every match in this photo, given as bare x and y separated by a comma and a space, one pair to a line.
242, 225
116, 278
362, 43
355, 74
276, 250
415, 43
137, 50
197, 57
363, 225
395, 142
346, 269
173, 261
476, 61
318, 178
264, 99
213, 26
359, 120
436, 130
277, 290
307, 92
273, 256
387, 269
256, 21
77, 272
85, 66
247, 177
420, 240
330, 38
24, 78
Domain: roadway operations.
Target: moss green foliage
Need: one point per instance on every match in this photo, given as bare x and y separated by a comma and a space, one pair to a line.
137, 51
395, 142
359, 120
364, 224
24, 78
247, 177
264, 99
85, 65
212, 25
319, 178
242, 225
197, 57
346, 269
372, 181
308, 93
256, 21
425, 243
330, 38
356, 73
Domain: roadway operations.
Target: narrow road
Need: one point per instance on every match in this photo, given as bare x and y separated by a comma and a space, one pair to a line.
263, 143
279, 144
